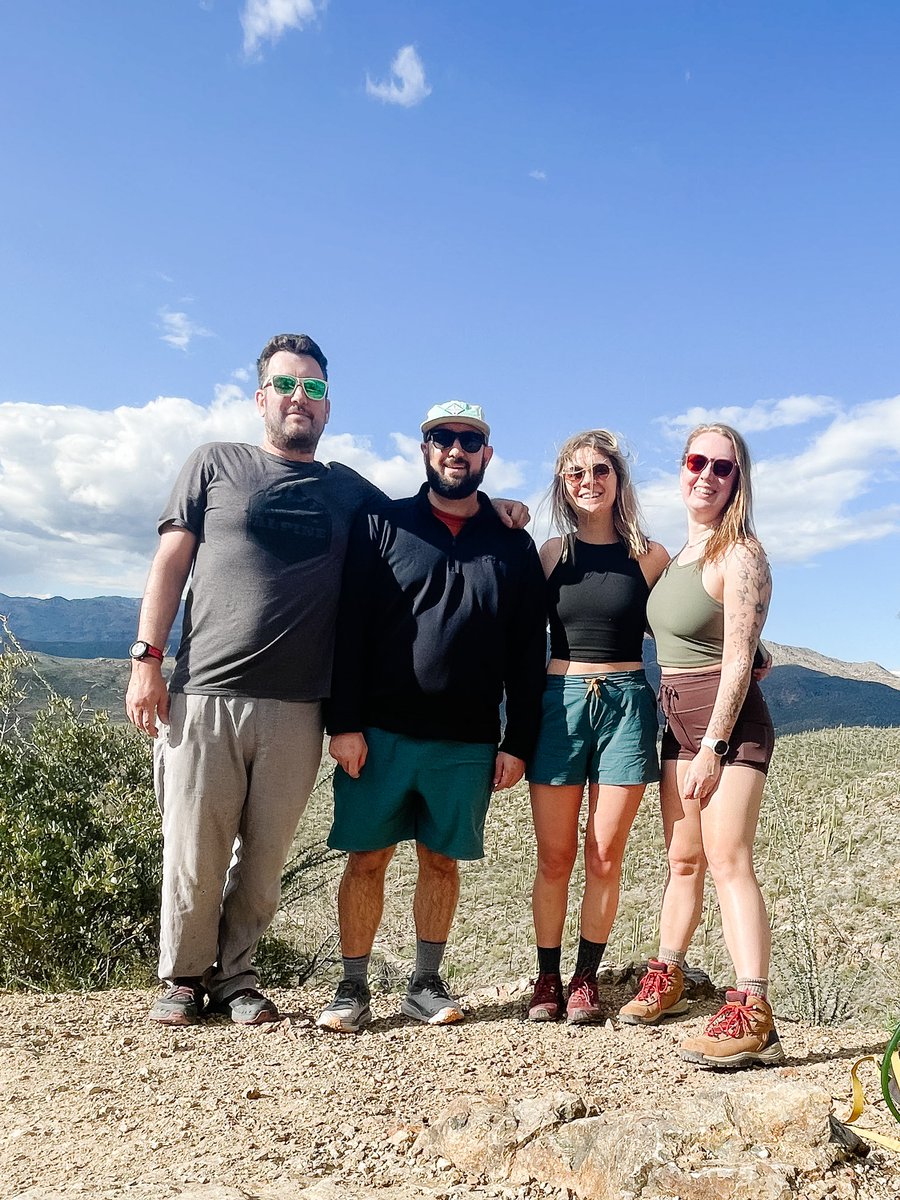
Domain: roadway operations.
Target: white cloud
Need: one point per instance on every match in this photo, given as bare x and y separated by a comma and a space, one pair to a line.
179, 329
840, 490
408, 86
81, 490
540, 176
767, 414
268, 20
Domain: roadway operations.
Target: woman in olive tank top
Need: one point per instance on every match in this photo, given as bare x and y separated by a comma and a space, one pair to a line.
599, 720
707, 613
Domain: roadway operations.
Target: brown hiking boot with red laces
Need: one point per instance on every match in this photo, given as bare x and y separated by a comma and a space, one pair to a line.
661, 995
741, 1034
547, 998
582, 1001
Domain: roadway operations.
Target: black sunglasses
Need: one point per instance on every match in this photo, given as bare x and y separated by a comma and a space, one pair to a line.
470, 440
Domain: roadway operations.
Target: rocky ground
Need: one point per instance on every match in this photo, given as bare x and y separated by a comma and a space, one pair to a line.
98, 1102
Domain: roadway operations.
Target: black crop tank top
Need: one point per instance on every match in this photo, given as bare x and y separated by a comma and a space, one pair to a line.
598, 605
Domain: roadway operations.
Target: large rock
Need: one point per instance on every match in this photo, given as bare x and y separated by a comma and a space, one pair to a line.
746, 1143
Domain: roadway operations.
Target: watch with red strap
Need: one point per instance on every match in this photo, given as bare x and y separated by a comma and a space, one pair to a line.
143, 650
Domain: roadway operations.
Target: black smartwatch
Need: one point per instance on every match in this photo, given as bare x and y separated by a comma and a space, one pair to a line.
716, 745
143, 650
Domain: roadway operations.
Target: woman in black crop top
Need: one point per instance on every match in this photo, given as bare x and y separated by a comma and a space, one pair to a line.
599, 722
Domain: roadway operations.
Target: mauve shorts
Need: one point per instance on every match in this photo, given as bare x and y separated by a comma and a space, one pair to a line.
687, 703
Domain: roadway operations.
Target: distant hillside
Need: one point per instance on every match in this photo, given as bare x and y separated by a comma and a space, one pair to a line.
87, 641
99, 627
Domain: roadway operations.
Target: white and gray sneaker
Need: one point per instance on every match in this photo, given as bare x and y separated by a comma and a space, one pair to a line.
427, 999
349, 1010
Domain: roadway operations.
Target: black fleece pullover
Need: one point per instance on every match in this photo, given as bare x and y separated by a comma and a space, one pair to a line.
433, 628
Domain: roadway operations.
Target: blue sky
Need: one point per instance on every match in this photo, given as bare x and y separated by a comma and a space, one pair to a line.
632, 215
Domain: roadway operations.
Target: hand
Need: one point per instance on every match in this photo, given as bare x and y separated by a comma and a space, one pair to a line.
508, 770
702, 776
147, 698
760, 672
349, 750
513, 513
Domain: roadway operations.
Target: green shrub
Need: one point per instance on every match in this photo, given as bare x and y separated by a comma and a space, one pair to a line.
81, 855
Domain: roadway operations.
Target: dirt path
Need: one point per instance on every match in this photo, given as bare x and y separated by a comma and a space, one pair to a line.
98, 1102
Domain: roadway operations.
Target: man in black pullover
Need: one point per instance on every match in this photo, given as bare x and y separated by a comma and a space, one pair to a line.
442, 611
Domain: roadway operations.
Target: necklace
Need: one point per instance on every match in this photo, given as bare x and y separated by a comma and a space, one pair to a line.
704, 539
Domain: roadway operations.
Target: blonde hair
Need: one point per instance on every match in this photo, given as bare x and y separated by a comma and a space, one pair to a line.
736, 519
627, 518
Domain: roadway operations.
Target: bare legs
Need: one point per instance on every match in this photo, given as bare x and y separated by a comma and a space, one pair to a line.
611, 813
719, 835
361, 897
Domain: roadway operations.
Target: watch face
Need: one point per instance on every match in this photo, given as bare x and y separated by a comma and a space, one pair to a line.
721, 747
138, 650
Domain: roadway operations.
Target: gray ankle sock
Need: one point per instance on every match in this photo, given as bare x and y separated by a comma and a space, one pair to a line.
357, 968
428, 957
676, 957
756, 987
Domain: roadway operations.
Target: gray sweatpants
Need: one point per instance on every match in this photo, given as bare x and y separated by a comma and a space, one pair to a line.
232, 776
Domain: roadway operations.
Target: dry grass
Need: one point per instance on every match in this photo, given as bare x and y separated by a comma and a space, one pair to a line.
826, 857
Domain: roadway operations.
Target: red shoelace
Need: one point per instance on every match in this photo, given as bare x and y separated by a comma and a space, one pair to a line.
653, 985
732, 1020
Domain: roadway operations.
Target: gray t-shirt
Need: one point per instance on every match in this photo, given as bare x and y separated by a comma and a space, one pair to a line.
272, 534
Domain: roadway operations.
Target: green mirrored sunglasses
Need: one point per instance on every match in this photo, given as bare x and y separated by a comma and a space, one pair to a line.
286, 385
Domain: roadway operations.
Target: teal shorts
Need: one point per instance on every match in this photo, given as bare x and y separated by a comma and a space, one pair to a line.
597, 729
436, 793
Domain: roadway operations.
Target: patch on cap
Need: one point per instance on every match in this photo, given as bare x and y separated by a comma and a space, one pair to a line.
460, 413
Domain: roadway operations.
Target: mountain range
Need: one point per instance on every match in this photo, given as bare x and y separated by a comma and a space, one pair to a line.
81, 648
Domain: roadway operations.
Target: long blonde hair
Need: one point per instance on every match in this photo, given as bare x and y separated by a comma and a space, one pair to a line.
736, 520
627, 518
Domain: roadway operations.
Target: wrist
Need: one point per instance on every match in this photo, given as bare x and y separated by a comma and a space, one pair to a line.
718, 746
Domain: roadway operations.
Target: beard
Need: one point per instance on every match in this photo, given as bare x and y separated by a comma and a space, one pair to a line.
304, 441
458, 489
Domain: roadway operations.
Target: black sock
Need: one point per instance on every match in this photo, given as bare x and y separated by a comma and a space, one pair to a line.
548, 959
589, 956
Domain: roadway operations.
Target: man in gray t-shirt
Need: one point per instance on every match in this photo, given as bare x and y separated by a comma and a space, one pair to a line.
262, 531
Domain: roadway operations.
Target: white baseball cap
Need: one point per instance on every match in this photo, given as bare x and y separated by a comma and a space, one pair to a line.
458, 412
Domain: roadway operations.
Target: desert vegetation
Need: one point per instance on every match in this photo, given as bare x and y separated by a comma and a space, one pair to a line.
80, 890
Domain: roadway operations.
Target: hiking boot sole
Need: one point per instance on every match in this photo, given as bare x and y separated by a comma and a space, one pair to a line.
449, 1015
772, 1056
543, 1014
677, 1010
584, 1017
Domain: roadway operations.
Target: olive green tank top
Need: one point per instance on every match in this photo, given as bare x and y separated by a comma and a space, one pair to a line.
688, 625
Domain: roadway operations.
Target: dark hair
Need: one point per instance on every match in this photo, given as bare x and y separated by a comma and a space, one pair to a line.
294, 343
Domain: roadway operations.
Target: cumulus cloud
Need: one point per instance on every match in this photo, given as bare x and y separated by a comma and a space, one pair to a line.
540, 176
179, 330
268, 20
836, 491
81, 490
407, 86
767, 414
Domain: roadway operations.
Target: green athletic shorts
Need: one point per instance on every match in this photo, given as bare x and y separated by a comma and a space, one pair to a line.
597, 729
436, 793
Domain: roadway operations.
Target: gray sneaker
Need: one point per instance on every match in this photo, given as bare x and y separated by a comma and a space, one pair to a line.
349, 1010
247, 1007
427, 999
180, 1004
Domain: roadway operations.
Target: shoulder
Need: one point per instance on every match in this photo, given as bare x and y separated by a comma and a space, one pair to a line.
746, 555
654, 562
551, 553
351, 479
